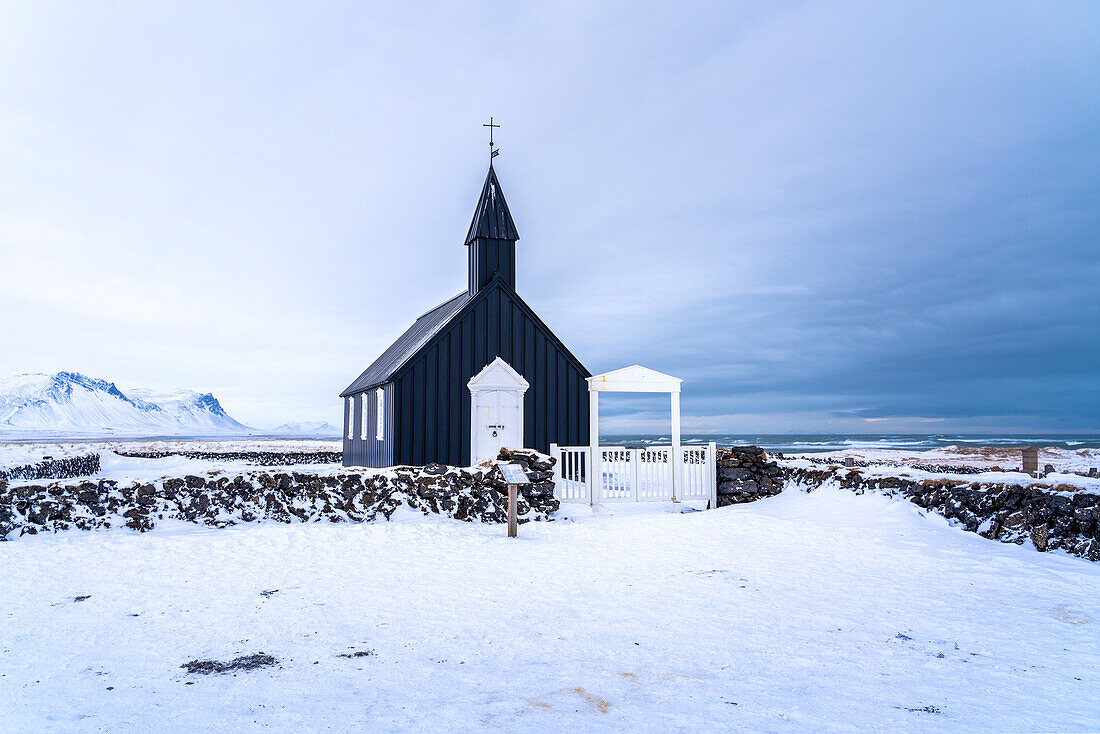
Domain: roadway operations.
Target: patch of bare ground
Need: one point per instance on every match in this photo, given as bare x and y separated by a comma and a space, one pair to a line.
244, 662
356, 654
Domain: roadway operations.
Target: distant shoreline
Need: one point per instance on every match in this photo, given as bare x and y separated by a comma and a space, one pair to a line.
827, 442
786, 443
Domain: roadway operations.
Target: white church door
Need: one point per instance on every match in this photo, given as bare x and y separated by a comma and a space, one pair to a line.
496, 410
499, 422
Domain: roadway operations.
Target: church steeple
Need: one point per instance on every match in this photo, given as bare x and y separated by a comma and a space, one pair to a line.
492, 218
492, 237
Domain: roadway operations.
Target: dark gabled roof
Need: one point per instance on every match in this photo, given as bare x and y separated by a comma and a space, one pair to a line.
408, 344
497, 282
421, 334
492, 218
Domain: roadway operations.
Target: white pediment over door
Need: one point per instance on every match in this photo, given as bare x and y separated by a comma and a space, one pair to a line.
496, 410
498, 375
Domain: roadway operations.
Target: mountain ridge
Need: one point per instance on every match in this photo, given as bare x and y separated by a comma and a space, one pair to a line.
73, 403
307, 428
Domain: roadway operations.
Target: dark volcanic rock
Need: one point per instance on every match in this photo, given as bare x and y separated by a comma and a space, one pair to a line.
476, 494
245, 662
48, 468
745, 474
260, 458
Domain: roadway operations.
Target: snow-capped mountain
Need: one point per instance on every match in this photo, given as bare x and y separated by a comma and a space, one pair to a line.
322, 429
69, 403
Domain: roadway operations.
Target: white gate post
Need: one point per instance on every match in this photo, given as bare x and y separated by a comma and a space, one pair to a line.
595, 483
677, 459
712, 465
555, 453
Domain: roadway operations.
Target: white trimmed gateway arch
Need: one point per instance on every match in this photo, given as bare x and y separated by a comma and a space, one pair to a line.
595, 474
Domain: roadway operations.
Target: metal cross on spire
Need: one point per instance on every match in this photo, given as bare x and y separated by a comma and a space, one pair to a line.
492, 153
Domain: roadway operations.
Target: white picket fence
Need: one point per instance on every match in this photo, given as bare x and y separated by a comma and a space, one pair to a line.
635, 475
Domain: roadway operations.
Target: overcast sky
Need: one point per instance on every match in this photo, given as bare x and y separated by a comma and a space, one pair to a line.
878, 217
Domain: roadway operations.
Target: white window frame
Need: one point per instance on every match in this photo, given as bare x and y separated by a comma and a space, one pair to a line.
351, 418
363, 423
380, 420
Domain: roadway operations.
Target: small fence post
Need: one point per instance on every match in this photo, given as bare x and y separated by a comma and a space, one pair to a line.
635, 455
1030, 460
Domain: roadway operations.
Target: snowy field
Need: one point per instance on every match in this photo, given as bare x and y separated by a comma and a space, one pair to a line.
14, 453
819, 612
985, 457
1062, 481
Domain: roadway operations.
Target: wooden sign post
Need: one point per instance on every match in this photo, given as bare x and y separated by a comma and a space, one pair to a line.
514, 476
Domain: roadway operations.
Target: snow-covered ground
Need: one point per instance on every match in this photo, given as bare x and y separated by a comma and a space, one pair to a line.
29, 452
974, 456
1060, 481
803, 612
1002, 465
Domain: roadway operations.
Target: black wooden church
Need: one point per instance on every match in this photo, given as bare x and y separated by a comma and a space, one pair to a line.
475, 373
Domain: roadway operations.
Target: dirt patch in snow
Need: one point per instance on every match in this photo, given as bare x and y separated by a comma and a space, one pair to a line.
566, 699
356, 654
244, 662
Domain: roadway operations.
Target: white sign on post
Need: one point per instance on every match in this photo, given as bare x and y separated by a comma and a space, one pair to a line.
513, 475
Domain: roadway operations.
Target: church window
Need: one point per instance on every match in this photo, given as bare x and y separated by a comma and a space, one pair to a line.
363, 422
351, 417
380, 429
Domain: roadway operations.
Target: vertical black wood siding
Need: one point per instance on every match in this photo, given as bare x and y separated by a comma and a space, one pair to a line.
431, 400
370, 451
489, 257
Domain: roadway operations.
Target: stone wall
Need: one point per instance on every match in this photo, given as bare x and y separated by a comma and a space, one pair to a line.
73, 466
1064, 518
475, 494
745, 475
260, 458
934, 468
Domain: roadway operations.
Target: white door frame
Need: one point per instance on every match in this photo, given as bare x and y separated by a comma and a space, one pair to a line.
631, 379
497, 376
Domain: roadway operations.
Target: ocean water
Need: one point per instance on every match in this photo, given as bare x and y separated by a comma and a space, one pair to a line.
801, 443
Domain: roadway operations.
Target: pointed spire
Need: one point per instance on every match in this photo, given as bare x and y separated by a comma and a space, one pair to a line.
491, 218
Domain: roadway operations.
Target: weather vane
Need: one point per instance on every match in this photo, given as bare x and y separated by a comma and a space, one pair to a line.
492, 153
